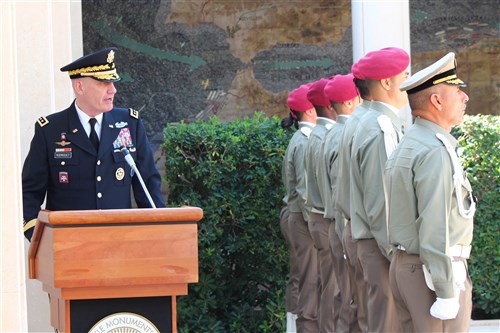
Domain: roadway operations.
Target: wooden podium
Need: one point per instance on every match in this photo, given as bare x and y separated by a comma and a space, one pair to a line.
115, 256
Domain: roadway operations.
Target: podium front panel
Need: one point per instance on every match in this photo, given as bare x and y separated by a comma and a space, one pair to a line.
103, 315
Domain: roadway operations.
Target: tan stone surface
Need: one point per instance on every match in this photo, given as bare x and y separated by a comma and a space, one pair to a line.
253, 26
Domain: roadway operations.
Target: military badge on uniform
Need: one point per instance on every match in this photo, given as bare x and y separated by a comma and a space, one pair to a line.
124, 139
63, 177
121, 124
63, 141
120, 173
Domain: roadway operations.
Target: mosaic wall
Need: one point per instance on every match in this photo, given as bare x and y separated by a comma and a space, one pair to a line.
187, 60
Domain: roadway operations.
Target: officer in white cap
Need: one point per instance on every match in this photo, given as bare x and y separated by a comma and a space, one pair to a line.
430, 207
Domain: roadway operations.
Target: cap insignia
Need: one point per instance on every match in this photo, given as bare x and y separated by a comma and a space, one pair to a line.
445, 79
111, 56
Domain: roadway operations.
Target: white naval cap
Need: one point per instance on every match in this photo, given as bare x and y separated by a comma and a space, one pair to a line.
442, 71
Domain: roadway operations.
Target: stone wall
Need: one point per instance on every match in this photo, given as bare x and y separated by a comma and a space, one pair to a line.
187, 60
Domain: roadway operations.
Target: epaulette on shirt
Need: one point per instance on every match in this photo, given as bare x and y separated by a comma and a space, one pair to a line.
134, 113
42, 121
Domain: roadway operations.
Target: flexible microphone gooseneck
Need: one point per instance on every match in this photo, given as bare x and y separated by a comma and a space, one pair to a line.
131, 162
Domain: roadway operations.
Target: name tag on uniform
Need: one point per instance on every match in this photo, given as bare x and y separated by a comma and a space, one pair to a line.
63, 153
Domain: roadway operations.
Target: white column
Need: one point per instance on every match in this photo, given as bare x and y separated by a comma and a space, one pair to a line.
13, 295
37, 38
379, 23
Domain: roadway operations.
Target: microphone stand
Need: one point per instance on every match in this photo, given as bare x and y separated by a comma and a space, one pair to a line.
131, 162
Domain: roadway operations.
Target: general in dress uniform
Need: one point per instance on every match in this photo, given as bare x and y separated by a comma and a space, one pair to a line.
75, 158
431, 207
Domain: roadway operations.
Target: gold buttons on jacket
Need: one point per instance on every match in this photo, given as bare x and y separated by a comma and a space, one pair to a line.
99, 178
99, 195
98, 162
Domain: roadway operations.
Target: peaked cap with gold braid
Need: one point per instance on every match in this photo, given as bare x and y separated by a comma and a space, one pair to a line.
442, 71
99, 65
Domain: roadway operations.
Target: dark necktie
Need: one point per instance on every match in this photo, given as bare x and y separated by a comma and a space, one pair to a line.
93, 135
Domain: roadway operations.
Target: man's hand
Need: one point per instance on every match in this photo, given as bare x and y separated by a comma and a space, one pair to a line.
445, 308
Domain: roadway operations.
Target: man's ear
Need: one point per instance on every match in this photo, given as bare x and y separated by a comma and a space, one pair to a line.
348, 104
435, 101
386, 84
77, 86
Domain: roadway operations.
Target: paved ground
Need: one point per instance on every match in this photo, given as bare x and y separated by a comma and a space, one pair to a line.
479, 326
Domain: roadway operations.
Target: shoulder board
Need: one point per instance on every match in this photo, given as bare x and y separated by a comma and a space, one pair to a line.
306, 131
134, 113
42, 121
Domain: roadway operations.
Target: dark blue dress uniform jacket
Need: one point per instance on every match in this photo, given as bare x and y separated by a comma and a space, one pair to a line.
63, 164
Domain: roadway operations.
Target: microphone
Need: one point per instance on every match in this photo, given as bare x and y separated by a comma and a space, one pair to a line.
131, 162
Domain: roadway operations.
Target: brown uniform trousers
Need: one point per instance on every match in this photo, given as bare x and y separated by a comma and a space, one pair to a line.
307, 263
292, 285
357, 316
342, 308
381, 311
414, 299
330, 300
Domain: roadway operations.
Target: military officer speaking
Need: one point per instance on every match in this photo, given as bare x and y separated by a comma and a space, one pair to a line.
431, 207
75, 158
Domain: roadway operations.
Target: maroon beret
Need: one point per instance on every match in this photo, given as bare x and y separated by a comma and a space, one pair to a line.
316, 93
383, 64
297, 99
355, 71
341, 88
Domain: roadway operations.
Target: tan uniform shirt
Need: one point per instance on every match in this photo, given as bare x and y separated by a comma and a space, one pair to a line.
314, 198
330, 151
368, 158
293, 173
342, 195
419, 177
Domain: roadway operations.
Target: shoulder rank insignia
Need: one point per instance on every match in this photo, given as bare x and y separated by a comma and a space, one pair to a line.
42, 121
134, 113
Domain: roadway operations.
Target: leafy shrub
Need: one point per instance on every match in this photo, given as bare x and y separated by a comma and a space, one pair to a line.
233, 172
480, 138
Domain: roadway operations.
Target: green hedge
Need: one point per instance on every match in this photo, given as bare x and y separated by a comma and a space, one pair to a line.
233, 172
480, 138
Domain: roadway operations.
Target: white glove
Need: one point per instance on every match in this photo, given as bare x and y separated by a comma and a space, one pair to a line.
445, 308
